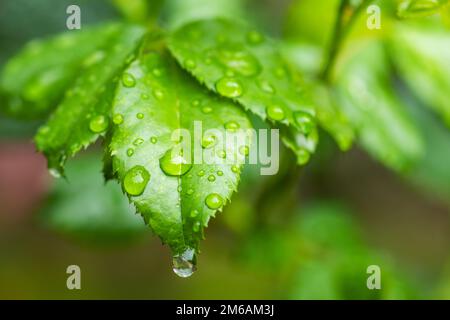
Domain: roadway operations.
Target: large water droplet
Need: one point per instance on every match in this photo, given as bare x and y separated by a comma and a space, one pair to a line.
136, 180
305, 121
229, 87
99, 123
184, 264
214, 201
275, 112
128, 80
174, 163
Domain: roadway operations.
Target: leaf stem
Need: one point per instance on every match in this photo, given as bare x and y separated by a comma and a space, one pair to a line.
341, 29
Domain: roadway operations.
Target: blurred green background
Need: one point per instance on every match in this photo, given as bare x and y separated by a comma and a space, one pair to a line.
306, 233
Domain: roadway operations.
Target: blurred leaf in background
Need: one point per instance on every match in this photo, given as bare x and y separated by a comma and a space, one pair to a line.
100, 214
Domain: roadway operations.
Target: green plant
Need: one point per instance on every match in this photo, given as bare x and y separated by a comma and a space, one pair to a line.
133, 85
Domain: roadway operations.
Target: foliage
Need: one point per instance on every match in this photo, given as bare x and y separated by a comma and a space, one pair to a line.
133, 85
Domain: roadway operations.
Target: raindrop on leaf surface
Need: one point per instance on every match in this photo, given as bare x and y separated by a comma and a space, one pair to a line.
229, 87
136, 180
275, 112
214, 201
174, 163
128, 80
99, 124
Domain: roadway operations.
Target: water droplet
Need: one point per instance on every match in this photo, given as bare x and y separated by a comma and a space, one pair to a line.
229, 87
265, 86
180, 188
190, 191
208, 141
303, 156
190, 64
130, 152
211, 178
275, 112
54, 173
231, 126
99, 123
174, 163
138, 142
222, 154
207, 109
194, 213
254, 37
184, 264
235, 169
136, 180
128, 80
196, 226
153, 140
140, 115
201, 173
305, 121
214, 201
159, 95
239, 61
244, 150
220, 173
118, 119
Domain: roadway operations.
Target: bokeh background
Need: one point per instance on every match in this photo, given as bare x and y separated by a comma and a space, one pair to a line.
306, 233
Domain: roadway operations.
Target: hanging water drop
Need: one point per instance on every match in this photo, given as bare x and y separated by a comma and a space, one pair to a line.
136, 180
305, 121
184, 264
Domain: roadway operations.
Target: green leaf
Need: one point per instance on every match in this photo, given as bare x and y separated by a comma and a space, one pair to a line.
419, 8
240, 63
105, 216
83, 115
34, 81
383, 125
423, 59
175, 195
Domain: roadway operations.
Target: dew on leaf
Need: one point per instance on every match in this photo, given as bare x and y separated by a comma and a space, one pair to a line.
207, 109
118, 119
190, 191
130, 152
128, 80
159, 95
254, 37
140, 115
244, 150
184, 264
214, 201
305, 121
136, 180
235, 169
208, 141
220, 173
153, 140
201, 173
211, 178
231, 126
194, 213
99, 123
138, 142
174, 163
229, 87
222, 154
196, 227
265, 86
275, 112
239, 61
190, 64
